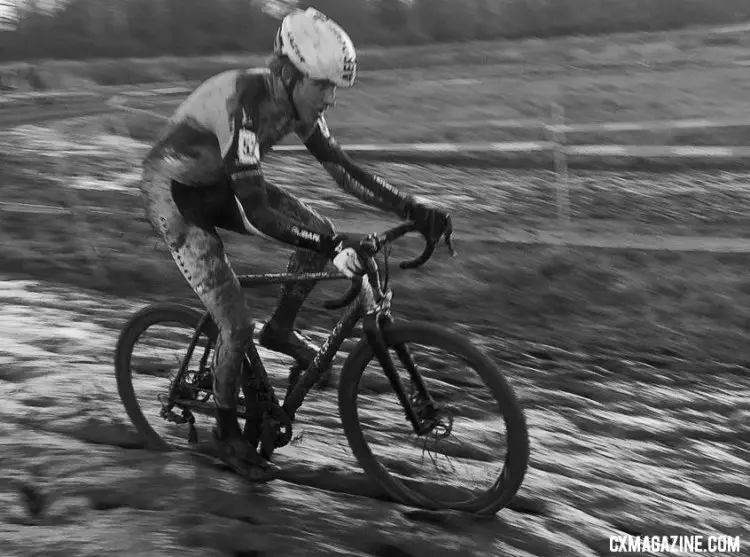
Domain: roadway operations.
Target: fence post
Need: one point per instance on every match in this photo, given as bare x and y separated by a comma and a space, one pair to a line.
561, 167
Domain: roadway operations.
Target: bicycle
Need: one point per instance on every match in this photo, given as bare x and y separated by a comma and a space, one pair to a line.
429, 412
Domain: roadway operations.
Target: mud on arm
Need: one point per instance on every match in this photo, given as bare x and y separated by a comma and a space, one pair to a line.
352, 178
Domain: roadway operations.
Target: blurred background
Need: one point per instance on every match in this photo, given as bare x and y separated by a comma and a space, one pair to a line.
117, 28
594, 155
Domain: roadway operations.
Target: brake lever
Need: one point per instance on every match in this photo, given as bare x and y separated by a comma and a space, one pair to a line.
449, 240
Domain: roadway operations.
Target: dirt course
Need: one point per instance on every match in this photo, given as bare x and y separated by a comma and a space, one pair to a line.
617, 446
642, 444
633, 366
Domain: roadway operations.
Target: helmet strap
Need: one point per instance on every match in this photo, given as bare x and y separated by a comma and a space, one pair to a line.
290, 94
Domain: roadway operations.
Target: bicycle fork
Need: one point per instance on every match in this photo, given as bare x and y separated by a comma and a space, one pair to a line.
421, 410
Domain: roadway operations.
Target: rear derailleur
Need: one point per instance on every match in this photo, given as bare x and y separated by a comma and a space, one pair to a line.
200, 382
187, 417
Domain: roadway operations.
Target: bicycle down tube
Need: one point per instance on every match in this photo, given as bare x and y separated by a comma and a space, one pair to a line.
341, 331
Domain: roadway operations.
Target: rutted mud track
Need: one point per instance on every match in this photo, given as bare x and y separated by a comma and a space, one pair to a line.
617, 446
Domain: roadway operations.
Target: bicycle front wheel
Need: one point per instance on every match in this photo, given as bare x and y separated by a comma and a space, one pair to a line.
474, 458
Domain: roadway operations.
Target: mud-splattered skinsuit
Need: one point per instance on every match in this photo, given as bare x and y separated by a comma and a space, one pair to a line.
204, 173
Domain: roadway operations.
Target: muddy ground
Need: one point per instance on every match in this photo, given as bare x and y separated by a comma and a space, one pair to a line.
617, 446
620, 442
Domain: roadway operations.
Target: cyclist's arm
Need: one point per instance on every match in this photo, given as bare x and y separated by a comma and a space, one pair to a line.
259, 214
350, 177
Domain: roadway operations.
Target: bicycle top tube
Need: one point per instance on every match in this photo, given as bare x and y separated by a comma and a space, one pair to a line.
279, 278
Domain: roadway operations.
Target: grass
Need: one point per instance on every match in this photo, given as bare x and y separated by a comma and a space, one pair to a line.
410, 94
694, 305
593, 83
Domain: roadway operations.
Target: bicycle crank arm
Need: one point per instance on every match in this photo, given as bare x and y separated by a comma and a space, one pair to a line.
209, 408
198, 406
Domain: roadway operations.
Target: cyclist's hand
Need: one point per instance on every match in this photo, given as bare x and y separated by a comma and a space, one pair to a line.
350, 254
432, 223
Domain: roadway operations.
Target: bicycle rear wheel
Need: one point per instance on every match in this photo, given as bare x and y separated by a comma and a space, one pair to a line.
150, 350
472, 396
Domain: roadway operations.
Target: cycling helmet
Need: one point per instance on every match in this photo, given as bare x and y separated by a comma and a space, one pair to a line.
317, 46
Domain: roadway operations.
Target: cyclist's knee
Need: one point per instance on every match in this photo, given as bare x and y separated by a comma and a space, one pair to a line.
237, 334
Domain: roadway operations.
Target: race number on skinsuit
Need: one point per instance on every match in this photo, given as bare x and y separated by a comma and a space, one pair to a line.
248, 151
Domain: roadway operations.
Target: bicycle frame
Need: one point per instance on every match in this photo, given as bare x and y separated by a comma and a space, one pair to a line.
374, 313
369, 299
341, 331
323, 359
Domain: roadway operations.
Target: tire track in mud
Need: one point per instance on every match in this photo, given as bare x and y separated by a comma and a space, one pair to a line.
617, 446
16, 115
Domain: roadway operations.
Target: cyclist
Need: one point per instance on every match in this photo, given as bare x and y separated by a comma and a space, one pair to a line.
205, 173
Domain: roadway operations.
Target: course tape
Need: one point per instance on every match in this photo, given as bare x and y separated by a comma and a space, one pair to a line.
396, 148
35, 97
676, 151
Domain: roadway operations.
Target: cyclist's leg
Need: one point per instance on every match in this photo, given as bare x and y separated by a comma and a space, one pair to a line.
279, 332
199, 253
